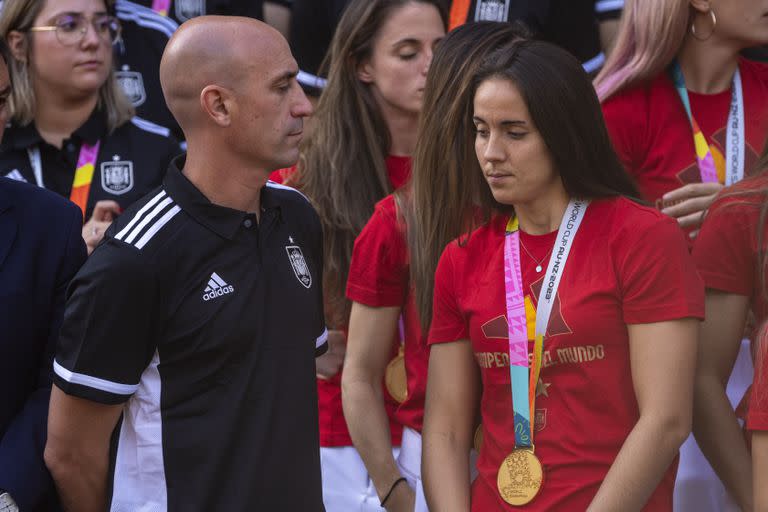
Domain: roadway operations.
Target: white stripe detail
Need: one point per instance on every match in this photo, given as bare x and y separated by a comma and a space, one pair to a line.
602, 6
311, 80
272, 184
212, 285
322, 339
149, 126
138, 215
145, 17
594, 63
157, 226
216, 277
94, 382
141, 225
15, 175
139, 481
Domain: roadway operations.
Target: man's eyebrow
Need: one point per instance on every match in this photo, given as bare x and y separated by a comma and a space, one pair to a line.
285, 76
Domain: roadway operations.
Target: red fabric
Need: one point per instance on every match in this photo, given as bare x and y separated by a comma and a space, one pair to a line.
380, 277
333, 426
726, 256
653, 138
629, 264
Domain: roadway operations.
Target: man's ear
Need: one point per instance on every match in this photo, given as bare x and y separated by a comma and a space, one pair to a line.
217, 102
17, 43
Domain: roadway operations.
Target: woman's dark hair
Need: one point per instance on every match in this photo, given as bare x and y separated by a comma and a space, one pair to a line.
565, 110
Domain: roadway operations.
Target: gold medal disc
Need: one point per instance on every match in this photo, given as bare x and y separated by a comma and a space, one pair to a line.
520, 477
395, 378
478, 437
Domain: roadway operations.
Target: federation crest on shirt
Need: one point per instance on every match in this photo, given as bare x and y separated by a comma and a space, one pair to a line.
492, 10
132, 84
188, 9
299, 264
117, 176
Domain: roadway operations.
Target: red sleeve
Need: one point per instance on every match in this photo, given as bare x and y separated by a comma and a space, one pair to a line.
625, 118
378, 272
723, 251
448, 323
657, 275
757, 415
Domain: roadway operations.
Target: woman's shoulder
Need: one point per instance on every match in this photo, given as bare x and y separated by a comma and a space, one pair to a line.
636, 101
753, 69
625, 218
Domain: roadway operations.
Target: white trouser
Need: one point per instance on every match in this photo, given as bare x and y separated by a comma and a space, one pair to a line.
409, 464
698, 489
346, 484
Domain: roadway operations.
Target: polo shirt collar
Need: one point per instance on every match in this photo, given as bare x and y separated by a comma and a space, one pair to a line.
223, 221
19, 137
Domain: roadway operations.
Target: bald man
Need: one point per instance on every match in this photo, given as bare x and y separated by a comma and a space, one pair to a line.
185, 375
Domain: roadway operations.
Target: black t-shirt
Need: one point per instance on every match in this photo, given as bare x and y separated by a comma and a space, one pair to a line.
131, 160
206, 324
137, 61
183, 10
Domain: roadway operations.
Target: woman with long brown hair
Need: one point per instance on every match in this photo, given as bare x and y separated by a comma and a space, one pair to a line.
562, 317
364, 132
730, 254
379, 285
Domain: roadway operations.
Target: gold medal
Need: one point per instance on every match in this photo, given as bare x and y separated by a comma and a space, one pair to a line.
478, 437
395, 377
520, 477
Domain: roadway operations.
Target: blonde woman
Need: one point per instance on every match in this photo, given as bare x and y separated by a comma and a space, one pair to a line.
72, 130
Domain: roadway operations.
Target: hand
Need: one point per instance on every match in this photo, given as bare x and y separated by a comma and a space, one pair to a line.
104, 212
402, 499
330, 363
688, 202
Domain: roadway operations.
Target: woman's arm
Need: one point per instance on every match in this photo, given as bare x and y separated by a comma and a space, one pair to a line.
717, 431
760, 469
369, 349
453, 389
662, 358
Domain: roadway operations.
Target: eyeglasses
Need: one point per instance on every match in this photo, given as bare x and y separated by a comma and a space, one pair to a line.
71, 28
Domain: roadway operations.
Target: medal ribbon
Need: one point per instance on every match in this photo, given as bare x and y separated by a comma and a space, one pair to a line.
161, 7
524, 382
81, 184
735, 141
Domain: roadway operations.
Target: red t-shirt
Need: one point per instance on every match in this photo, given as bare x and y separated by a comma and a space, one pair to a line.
379, 276
333, 425
653, 138
629, 264
726, 256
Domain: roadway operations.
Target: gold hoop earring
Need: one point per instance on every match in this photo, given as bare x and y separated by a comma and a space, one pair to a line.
714, 24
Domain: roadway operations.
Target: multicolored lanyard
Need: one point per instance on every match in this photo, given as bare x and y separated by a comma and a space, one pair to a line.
734, 140
81, 184
524, 382
161, 7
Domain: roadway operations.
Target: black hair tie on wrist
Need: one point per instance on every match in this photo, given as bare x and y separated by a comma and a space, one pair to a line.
401, 479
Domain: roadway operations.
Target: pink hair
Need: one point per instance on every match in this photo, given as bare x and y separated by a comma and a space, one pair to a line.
651, 33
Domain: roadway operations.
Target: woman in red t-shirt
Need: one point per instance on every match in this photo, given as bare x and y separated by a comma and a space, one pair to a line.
364, 131
571, 276
644, 99
379, 286
730, 257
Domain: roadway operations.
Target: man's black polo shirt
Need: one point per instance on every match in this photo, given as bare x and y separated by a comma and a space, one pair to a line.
131, 161
206, 324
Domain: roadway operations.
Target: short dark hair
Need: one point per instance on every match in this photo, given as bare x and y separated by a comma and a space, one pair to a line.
565, 109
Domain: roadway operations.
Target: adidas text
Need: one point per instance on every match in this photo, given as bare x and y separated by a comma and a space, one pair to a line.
218, 292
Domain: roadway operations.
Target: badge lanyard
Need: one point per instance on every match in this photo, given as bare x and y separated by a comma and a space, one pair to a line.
523, 384
81, 184
734, 140
161, 7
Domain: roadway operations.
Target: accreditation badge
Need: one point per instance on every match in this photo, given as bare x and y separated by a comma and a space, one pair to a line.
188, 9
520, 477
395, 377
492, 10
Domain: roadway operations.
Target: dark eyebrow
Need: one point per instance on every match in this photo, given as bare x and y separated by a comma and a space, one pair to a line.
506, 123
75, 13
288, 75
407, 41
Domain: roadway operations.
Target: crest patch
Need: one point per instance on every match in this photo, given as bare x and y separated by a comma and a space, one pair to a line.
117, 176
132, 84
299, 264
188, 9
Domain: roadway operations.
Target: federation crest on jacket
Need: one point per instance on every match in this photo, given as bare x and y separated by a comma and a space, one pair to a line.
132, 84
299, 264
117, 176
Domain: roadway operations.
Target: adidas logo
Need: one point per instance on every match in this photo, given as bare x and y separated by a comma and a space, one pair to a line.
216, 288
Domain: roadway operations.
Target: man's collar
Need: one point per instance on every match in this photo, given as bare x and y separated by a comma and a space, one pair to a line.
221, 220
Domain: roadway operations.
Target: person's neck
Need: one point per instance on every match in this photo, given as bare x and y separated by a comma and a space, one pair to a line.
403, 128
224, 180
543, 214
56, 118
708, 66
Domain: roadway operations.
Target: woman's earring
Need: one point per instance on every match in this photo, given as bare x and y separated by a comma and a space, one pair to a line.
712, 31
